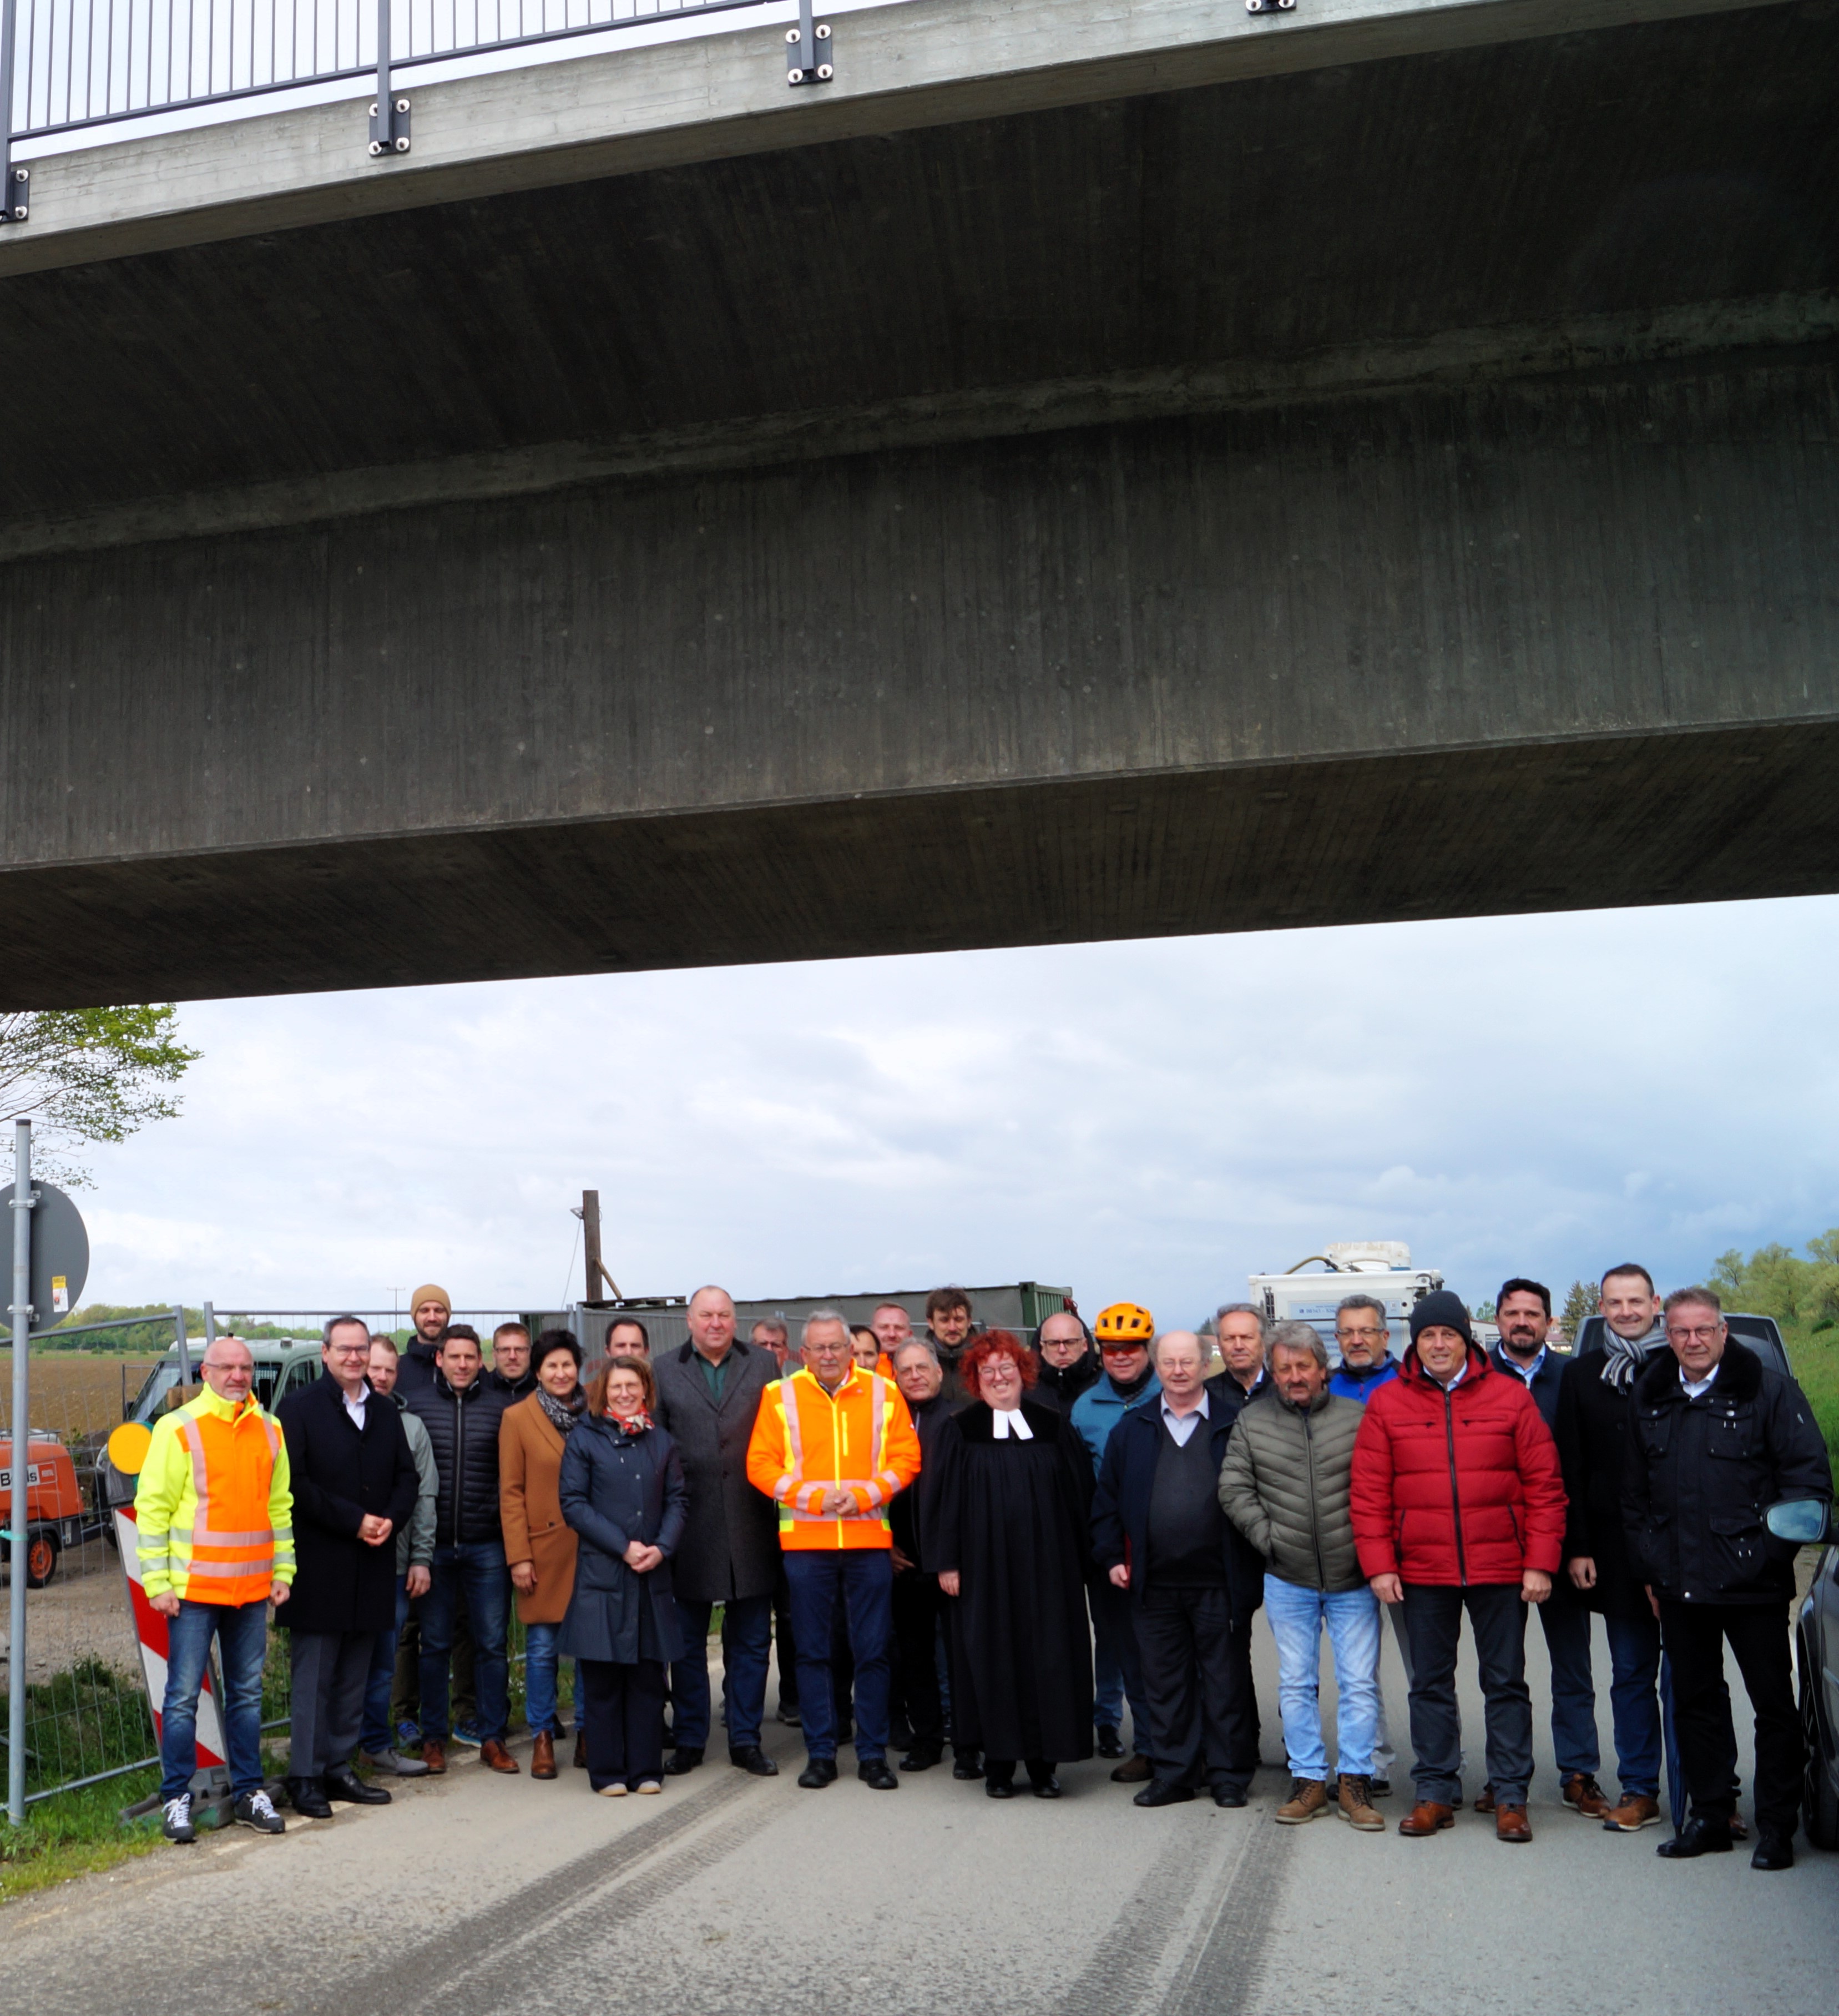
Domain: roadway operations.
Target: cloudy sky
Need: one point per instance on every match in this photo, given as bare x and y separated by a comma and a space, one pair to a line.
1150, 1121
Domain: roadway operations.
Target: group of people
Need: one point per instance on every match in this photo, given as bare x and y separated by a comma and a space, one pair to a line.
961, 1537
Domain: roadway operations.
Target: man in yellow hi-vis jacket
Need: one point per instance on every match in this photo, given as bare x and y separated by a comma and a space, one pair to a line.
214, 1512
832, 1445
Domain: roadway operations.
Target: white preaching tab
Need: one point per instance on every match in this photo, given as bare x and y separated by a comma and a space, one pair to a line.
1009, 1422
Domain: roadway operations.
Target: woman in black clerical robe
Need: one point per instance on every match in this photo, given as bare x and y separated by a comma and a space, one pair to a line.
1009, 1540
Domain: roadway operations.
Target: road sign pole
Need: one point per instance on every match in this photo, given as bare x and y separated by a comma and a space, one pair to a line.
23, 1201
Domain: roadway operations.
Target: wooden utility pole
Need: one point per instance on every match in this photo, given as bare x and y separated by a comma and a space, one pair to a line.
596, 1270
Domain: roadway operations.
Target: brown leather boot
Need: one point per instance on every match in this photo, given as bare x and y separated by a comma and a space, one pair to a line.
1308, 1798
493, 1754
1427, 1817
1636, 1811
580, 1750
434, 1756
1510, 1823
542, 1756
1584, 1795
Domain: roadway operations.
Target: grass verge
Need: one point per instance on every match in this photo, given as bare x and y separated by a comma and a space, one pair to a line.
1814, 1356
75, 1834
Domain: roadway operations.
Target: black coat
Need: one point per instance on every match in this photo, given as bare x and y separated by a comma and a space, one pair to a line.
1010, 1517
909, 1516
1545, 1386
1127, 1476
1700, 1473
1592, 1432
462, 1429
340, 1582
731, 1546
615, 1489
415, 1368
1060, 1386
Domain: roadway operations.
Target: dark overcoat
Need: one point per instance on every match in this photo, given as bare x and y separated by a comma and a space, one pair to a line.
731, 1544
616, 1489
340, 1474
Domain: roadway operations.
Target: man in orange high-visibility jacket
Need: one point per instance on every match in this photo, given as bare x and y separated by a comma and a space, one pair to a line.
832, 1445
213, 1514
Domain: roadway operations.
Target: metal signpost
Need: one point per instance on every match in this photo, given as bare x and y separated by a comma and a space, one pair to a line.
49, 1271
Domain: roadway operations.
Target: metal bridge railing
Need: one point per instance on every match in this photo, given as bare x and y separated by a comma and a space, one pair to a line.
67, 66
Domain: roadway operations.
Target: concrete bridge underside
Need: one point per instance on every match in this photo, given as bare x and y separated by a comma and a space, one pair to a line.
1406, 486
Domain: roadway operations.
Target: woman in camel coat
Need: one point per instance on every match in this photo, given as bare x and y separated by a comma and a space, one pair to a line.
539, 1545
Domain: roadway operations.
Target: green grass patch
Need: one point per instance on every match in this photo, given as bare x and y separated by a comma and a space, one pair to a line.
1814, 1353
76, 1834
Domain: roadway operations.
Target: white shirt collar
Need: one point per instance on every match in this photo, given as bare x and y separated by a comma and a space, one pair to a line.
1169, 1414
1009, 1422
1526, 1371
1694, 1388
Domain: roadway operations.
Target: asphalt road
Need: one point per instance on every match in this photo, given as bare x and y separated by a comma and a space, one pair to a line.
474, 1894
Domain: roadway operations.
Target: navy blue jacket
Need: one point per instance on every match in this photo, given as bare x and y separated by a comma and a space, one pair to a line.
615, 1489
1120, 1510
1543, 1385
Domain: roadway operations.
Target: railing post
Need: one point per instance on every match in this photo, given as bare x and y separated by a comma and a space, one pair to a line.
17, 1512
15, 183
810, 56
389, 114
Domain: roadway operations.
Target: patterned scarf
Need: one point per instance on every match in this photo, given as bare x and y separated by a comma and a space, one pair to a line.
1626, 1356
630, 1429
564, 1415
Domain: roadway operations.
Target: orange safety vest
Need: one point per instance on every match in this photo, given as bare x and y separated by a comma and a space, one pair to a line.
232, 1557
806, 1441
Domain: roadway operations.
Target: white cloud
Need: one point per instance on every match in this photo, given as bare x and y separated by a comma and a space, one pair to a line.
1153, 1122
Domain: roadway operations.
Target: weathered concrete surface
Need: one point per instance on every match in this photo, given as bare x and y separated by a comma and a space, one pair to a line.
1408, 487
1527, 647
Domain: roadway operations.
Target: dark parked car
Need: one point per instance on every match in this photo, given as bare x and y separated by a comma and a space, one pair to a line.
1761, 1334
1816, 1656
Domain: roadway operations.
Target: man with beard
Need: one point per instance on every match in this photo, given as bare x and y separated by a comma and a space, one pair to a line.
948, 1326
1523, 1313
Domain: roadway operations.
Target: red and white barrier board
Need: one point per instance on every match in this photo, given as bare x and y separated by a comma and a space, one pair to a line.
149, 1631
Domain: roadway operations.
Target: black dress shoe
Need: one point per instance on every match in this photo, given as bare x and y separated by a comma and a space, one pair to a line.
1045, 1788
346, 1785
1230, 1796
999, 1788
877, 1777
922, 1757
1773, 1850
308, 1800
681, 1762
752, 1758
967, 1764
1698, 1836
1110, 1743
1163, 1792
820, 1771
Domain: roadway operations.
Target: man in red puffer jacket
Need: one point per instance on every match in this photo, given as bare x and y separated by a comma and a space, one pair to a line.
1458, 1503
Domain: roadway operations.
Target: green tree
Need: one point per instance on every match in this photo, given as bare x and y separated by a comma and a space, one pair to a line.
1580, 1304
88, 1074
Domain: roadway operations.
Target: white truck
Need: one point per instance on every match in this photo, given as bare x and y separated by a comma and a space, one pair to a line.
1312, 1291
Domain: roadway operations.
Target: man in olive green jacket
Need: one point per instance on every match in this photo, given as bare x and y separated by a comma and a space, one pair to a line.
1284, 1485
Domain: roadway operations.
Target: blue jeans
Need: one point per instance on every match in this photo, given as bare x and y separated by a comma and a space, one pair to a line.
1634, 1702
746, 1641
377, 1733
474, 1576
861, 1579
1566, 1625
1297, 1617
541, 1708
242, 1633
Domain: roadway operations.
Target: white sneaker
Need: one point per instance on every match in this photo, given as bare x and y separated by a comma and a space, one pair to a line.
176, 1824
256, 1809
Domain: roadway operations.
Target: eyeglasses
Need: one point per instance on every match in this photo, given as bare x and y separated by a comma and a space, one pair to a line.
1677, 1336
1351, 1334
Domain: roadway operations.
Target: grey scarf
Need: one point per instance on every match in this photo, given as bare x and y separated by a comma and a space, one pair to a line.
1626, 1356
564, 1415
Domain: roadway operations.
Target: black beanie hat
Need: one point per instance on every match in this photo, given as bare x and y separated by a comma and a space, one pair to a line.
1441, 1306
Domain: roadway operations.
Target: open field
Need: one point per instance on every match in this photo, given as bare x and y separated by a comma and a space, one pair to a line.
1814, 1356
74, 1392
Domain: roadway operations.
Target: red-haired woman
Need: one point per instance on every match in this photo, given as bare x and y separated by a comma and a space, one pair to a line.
1008, 1539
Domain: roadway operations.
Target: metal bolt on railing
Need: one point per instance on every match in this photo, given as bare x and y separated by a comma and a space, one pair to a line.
809, 56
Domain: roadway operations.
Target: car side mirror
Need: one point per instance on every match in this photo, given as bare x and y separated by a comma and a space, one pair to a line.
1807, 1521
